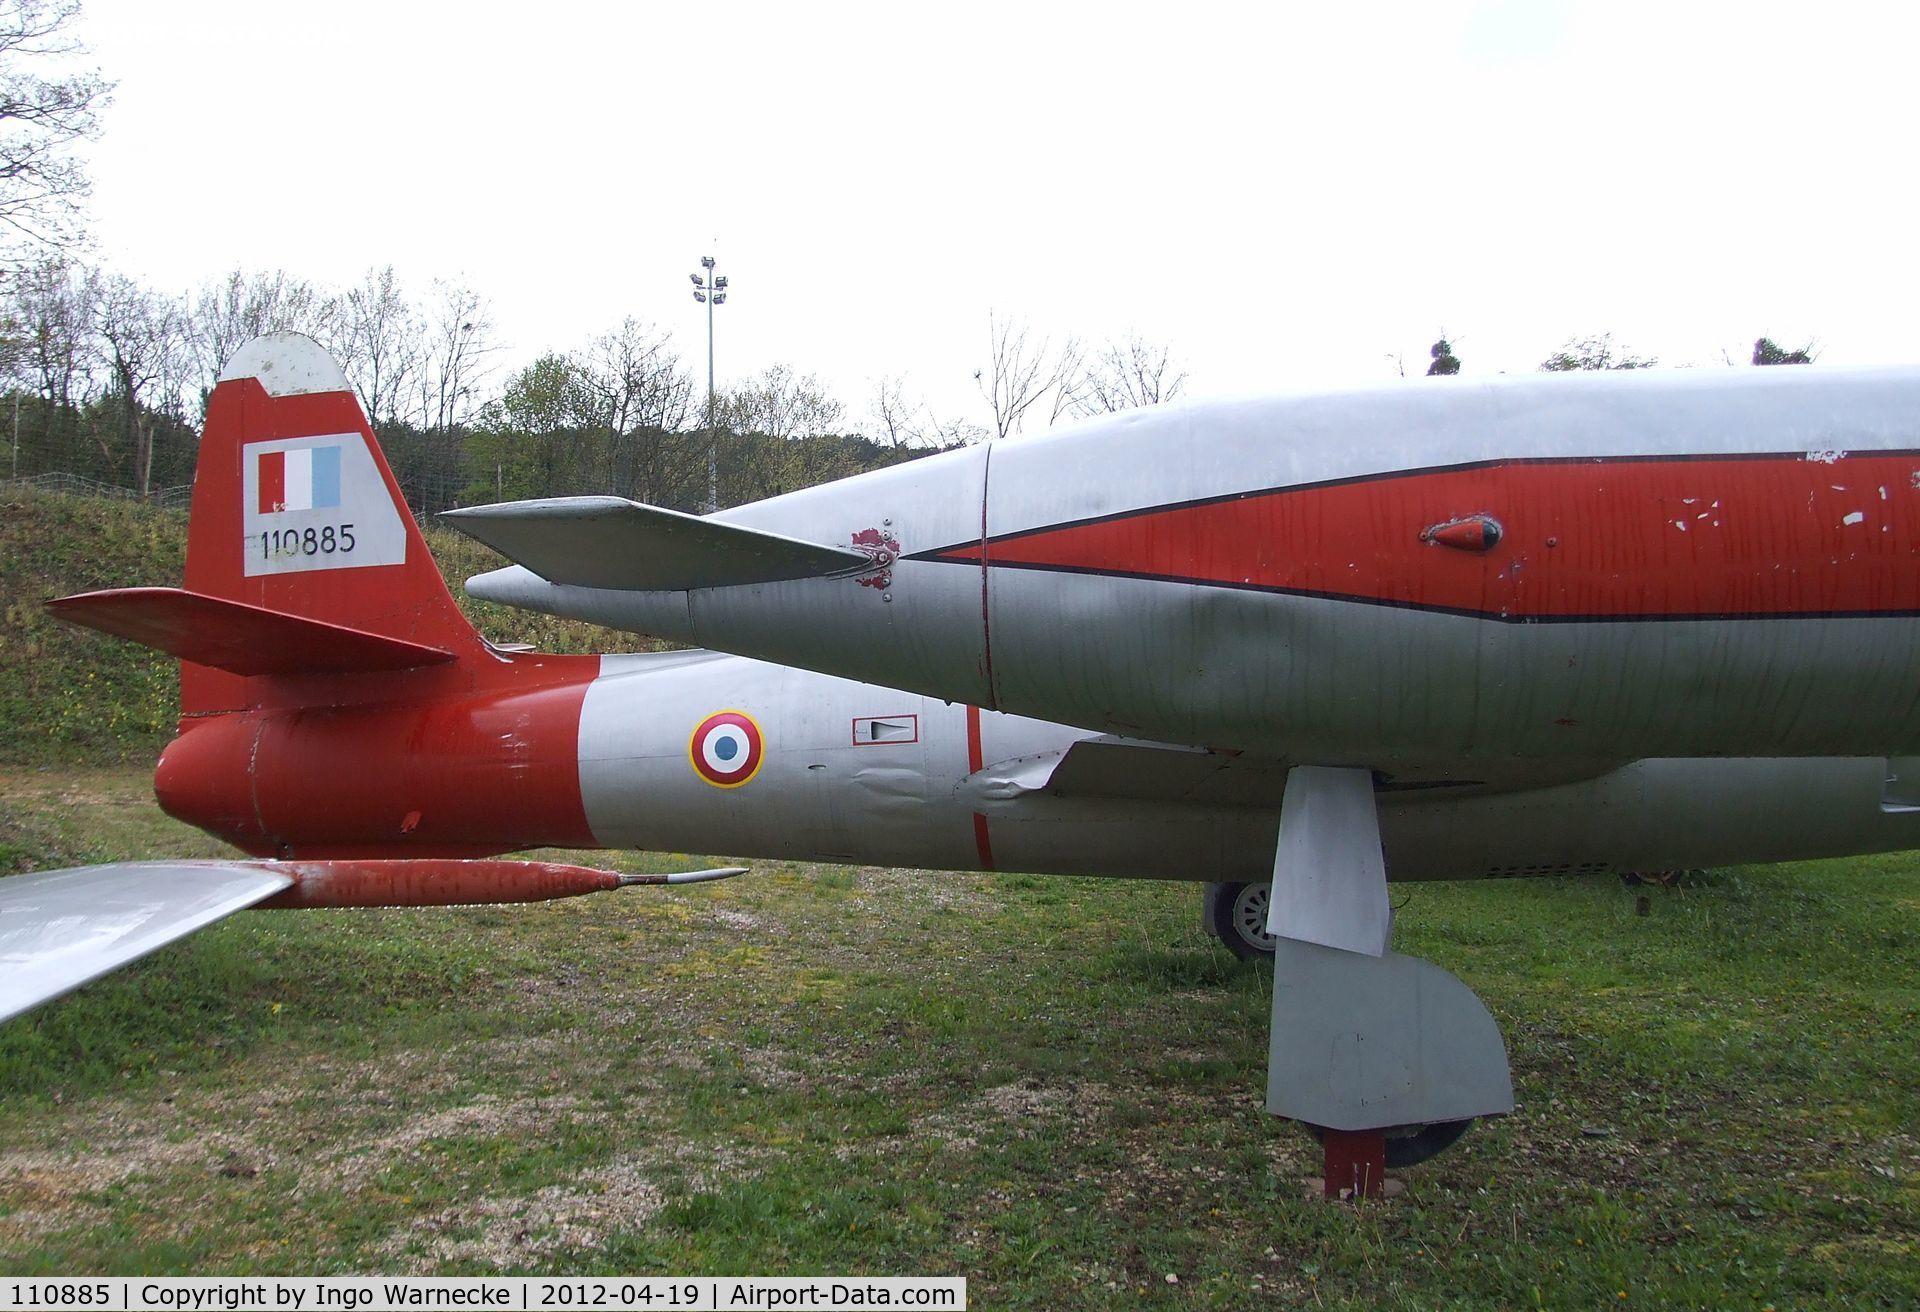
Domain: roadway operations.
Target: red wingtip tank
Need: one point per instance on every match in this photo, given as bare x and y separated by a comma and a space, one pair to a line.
437, 883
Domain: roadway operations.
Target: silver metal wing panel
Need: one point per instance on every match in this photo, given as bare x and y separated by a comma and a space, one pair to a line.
609, 542
62, 928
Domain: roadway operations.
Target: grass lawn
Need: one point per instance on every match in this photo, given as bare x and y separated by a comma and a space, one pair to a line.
1051, 1086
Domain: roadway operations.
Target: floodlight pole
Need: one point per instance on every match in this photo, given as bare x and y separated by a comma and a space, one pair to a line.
710, 288
713, 434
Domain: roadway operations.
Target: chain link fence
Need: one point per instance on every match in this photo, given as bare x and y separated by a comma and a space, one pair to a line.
179, 497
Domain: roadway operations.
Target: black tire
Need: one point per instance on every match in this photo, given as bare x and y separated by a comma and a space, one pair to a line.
1410, 1145
1237, 913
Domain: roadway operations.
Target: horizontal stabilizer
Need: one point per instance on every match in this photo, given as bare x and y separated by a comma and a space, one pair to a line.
608, 542
242, 639
61, 928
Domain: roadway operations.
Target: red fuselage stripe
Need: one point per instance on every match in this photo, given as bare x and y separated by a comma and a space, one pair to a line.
976, 758
1741, 537
986, 615
982, 841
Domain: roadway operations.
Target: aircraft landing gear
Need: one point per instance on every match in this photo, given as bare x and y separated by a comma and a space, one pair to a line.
1236, 914
1387, 1058
1410, 1145
1357, 1161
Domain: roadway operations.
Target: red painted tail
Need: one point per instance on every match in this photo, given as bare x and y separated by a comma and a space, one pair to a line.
295, 511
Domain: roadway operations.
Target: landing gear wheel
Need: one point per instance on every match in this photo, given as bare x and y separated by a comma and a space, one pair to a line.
1238, 914
1410, 1145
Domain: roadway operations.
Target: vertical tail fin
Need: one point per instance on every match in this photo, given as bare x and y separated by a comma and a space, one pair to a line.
296, 511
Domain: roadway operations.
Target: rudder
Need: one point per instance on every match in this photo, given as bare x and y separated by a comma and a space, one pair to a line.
295, 510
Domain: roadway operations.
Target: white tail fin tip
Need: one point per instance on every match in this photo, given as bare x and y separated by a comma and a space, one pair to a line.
287, 364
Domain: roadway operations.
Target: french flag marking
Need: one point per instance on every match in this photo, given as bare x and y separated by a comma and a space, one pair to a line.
304, 479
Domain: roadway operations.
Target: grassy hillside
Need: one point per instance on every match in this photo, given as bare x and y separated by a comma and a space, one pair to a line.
71, 696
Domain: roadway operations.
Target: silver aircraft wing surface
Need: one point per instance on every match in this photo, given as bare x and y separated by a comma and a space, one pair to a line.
62, 928
610, 542
1111, 766
1116, 767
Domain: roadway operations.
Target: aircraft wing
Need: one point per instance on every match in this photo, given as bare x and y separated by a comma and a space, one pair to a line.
610, 542
1111, 766
61, 928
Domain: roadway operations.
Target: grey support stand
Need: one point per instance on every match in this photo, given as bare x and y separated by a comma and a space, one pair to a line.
1365, 1043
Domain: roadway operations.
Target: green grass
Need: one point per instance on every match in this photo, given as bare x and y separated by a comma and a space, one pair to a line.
1051, 1086
69, 694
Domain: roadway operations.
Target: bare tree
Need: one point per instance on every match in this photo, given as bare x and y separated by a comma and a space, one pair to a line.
458, 357
380, 343
229, 313
767, 414
1594, 353
1019, 374
952, 432
1128, 375
42, 186
1069, 368
140, 342
895, 419
780, 404
218, 323
51, 317
50, 330
642, 392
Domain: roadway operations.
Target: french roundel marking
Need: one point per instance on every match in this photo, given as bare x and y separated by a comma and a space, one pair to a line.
726, 749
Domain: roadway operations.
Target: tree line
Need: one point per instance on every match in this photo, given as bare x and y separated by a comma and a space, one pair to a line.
1600, 351
109, 379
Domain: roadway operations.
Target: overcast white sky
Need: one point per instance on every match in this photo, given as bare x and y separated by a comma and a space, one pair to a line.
1287, 194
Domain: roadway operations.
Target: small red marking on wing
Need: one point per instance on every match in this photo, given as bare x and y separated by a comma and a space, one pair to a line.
883, 549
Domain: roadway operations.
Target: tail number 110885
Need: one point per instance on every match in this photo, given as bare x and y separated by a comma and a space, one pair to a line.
326, 540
